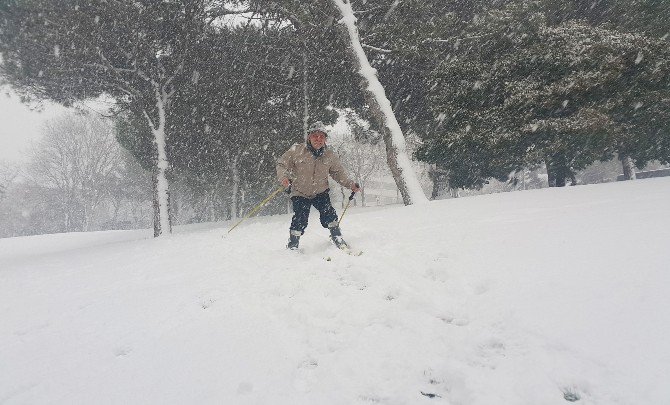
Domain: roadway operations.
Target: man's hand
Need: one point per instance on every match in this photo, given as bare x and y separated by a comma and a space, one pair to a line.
285, 182
355, 188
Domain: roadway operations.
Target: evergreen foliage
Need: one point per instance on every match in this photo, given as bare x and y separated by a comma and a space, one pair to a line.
518, 91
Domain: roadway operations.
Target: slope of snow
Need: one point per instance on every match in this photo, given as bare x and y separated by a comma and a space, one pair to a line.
535, 297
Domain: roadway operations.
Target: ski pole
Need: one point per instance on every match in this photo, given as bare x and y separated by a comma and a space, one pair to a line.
258, 207
351, 197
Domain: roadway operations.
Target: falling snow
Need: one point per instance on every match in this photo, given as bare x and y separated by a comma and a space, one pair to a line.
639, 58
167, 119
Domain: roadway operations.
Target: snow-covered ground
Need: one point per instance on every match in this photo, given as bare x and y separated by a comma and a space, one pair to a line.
535, 297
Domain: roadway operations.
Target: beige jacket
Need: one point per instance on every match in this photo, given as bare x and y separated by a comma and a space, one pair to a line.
309, 174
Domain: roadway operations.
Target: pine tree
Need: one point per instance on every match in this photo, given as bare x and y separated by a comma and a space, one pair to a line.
518, 91
137, 52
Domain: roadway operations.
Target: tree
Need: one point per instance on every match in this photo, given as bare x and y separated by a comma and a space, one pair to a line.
76, 160
617, 85
359, 151
314, 12
29, 206
396, 151
128, 194
641, 112
24, 211
632, 16
242, 104
138, 52
518, 91
237, 116
8, 173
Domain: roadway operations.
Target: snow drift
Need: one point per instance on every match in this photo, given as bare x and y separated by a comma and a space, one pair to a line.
537, 297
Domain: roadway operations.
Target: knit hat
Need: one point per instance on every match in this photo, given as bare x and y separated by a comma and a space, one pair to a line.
316, 127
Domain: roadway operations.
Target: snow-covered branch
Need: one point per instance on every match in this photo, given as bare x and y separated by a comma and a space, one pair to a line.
110, 68
391, 9
374, 48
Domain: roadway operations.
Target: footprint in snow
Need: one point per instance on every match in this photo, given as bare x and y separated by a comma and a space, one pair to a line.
123, 351
304, 376
347, 281
431, 390
204, 304
245, 388
392, 295
575, 392
371, 398
309, 364
489, 354
571, 394
492, 348
451, 320
482, 288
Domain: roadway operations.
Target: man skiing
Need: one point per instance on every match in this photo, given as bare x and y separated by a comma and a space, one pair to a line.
305, 168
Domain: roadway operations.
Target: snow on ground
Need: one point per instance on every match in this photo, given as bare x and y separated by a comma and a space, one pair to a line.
536, 297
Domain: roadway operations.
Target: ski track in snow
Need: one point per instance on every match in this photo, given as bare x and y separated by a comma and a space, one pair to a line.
518, 298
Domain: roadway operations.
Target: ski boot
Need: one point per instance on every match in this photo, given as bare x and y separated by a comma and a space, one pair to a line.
294, 240
336, 236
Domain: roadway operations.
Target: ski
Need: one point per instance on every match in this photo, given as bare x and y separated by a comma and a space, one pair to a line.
350, 252
343, 246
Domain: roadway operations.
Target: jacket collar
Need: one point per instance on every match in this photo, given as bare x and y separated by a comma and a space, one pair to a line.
316, 152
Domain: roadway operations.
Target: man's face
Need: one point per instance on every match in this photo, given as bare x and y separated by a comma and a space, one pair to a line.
317, 139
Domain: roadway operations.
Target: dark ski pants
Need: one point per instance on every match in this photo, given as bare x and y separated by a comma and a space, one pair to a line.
302, 205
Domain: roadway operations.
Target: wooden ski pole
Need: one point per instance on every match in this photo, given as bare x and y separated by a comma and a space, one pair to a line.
351, 197
258, 207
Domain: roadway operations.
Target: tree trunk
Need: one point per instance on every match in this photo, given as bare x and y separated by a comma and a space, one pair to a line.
396, 153
436, 189
434, 178
555, 177
628, 167
154, 203
236, 188
560, 181
161, 203
66, 221
242, 202
558, 171
86, 213
116, 203
555, 173
440, 179
305, 91
551, 175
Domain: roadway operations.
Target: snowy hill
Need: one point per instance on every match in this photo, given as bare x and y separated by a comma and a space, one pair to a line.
537, 297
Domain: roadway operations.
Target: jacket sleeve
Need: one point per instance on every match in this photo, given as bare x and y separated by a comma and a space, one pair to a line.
285, 164
338, 174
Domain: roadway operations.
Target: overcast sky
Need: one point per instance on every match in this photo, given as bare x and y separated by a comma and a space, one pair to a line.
19, 125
